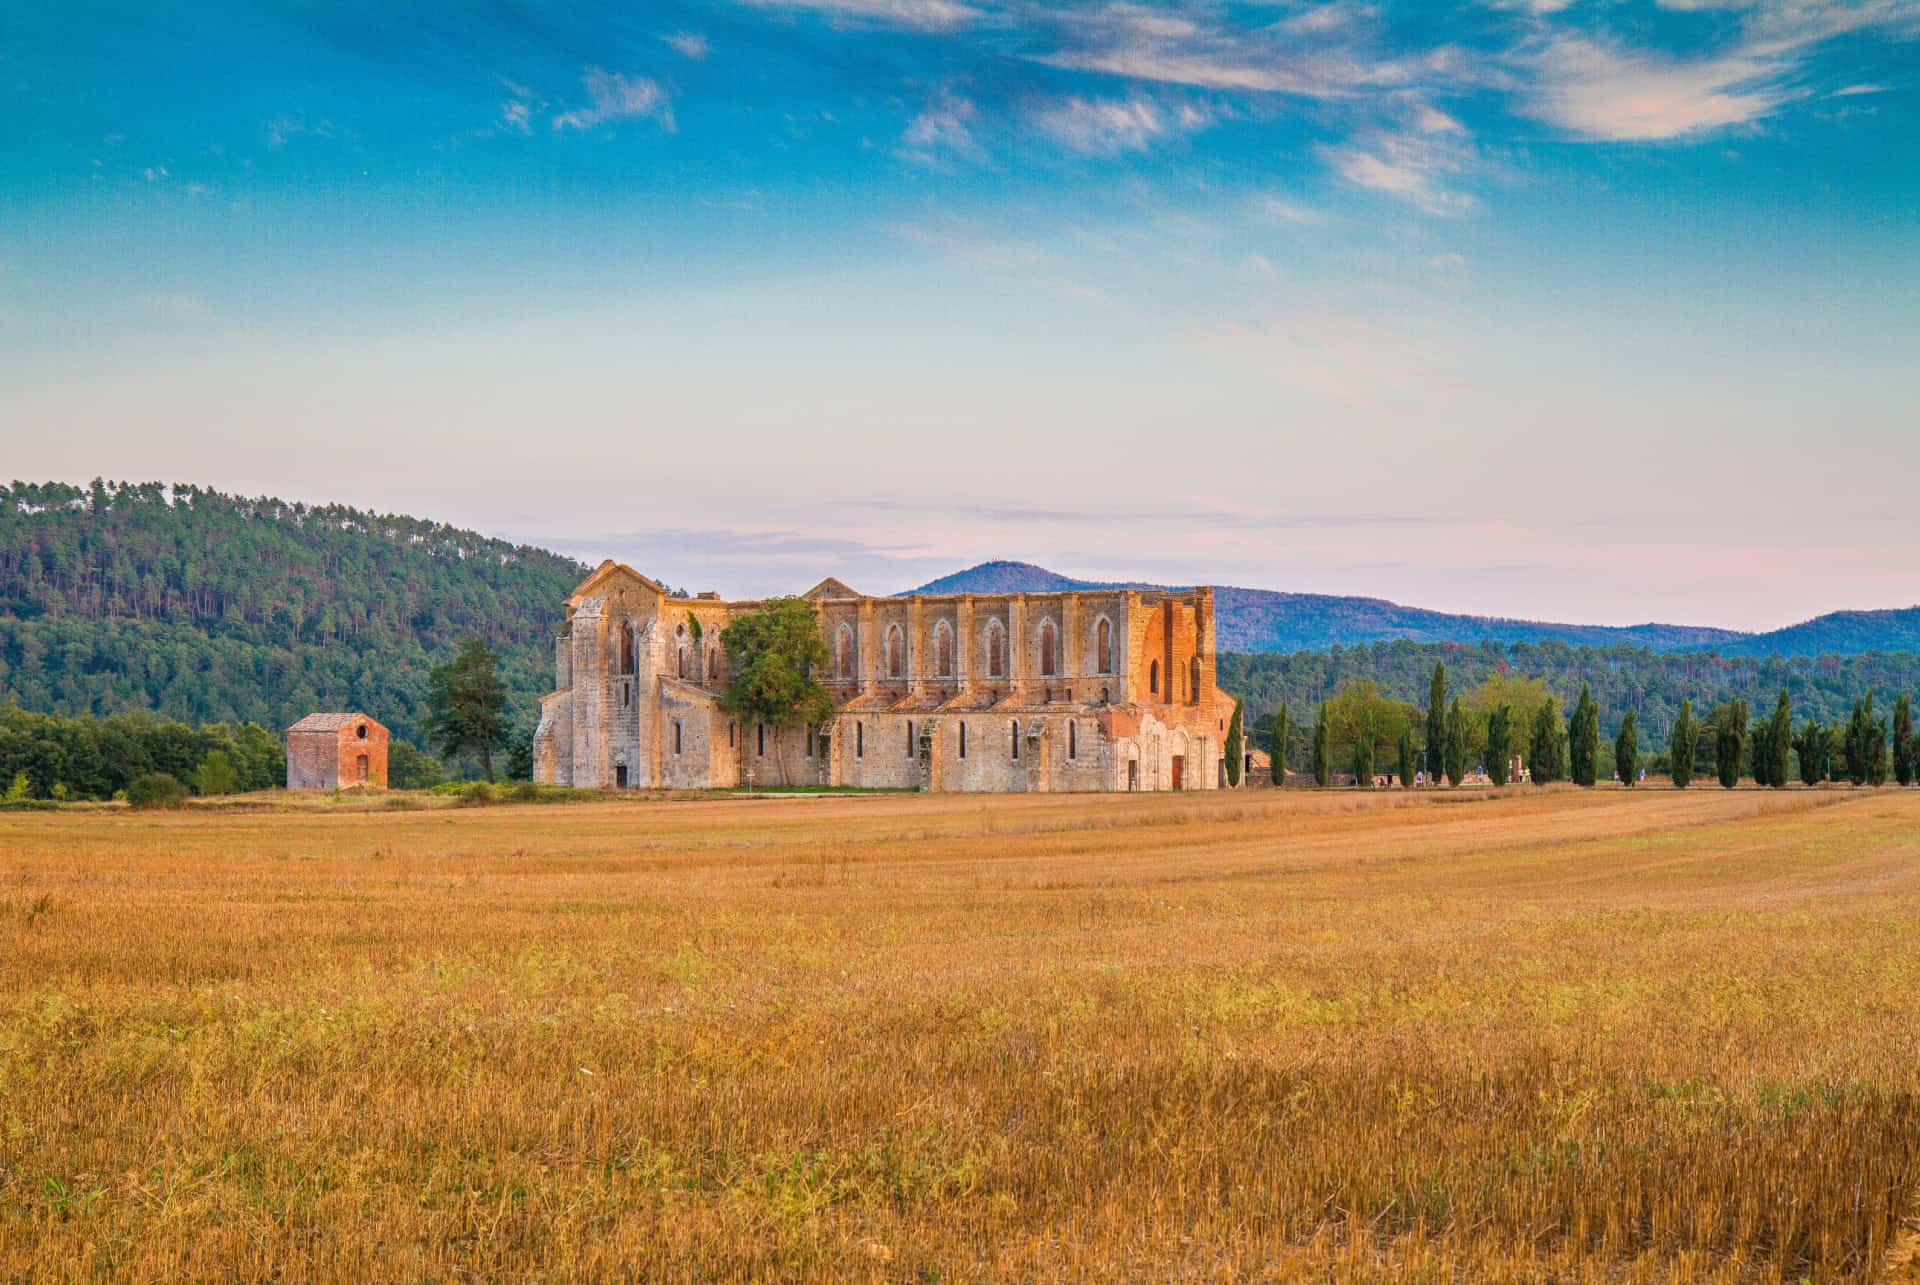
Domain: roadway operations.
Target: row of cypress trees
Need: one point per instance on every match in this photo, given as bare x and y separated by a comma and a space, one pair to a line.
1858, 751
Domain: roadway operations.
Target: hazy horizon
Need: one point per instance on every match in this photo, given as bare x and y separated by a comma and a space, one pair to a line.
1569, 310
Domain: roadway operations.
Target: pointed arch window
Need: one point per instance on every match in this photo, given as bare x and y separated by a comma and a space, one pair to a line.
1153, 678
943, 650
626, 649
1016, 738
1103, 646
1047, 649
896, 652
996, 650
843, 653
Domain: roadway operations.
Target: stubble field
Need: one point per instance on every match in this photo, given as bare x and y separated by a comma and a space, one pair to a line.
1546, 1036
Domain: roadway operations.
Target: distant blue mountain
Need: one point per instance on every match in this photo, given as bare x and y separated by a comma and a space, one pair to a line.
1257, 620
1839, 633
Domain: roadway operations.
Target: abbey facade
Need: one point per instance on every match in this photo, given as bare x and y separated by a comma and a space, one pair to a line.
1084, 690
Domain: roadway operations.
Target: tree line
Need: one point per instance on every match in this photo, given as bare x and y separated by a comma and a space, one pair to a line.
1509, 723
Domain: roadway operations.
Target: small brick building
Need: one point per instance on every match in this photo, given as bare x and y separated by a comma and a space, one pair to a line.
336, 751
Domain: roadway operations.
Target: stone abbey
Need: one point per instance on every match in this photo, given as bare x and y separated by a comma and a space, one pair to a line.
1077, 691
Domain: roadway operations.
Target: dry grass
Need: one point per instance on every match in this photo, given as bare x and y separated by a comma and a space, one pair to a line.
1557, 1036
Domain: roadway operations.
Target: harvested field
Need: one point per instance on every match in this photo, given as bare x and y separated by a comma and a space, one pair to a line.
1554, 1035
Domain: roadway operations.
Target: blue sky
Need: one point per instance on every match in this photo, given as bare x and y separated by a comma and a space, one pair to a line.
1571, 308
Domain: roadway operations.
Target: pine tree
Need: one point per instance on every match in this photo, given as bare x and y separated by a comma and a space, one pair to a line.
1626, 750
1322, 734
1584, 750
1685, 738
1730, 747
1437, 724
1277, 746
1236, 743
1455, 740
1546, 751
1409, 759
1903, 741
467, 705
1499, 744
1815, 748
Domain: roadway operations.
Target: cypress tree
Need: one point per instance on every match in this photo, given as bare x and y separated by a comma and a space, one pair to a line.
1277, 747
1322, 769
1584, 750
1684, 740
1499, 744
1816, 752
1363, 756
1455, 737
1236, 743
1409, 759
1779, 742
1437, 724
1903, 741
1546, 752
1876, 753
1626, 750
1731, 746
1856, 751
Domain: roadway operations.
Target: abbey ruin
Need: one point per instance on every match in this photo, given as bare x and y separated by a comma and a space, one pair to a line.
1078, 691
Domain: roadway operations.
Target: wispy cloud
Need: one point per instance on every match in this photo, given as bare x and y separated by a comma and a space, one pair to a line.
942, 129
613, 97
1109, 126
1416, 168
688, 44
1607, 92
927, 15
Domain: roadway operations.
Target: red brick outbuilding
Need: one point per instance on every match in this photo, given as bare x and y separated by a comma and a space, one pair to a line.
336, 751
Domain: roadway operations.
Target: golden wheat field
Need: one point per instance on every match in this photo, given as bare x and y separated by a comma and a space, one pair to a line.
1550, 1036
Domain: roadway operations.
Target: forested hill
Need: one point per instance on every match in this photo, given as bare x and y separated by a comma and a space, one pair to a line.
1840, 633
218, 608
1254, 620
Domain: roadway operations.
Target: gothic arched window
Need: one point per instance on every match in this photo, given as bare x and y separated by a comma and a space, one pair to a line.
1046, 649
1193, 680
896, 653
1153, 678
843, 653
1103, 646
943, 650
996, 650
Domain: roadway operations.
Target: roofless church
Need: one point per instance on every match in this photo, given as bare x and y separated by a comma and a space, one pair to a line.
1084, 690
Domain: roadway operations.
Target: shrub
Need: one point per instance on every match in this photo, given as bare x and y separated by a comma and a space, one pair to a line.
156, 790
477, 795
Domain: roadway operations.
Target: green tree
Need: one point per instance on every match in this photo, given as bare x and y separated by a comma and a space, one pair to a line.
1626, 751
1499, 744
1730, 743
409, 768
1361, 708
1903, 740
1773, 744
1685, 741
21, 789
1236, 743
1409, 763
1363, 757
1547, 749
774, 653
467, 705
216, 774
156, 790
1322, 748
1815, 747
1437, 724
1456, 739
1522, 695
1583, 750
1277, 744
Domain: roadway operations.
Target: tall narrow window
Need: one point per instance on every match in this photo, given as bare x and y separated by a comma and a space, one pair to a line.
682, 663
1103, 646
963, 740
996, 650
843, 653
809, 742
1015, 737
1073, 739
1193, 680
676, 736
1153, 678
626, 649
1046, 650
730, 731
943, 650
859, 740
896, 653
761, 748
909, 738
